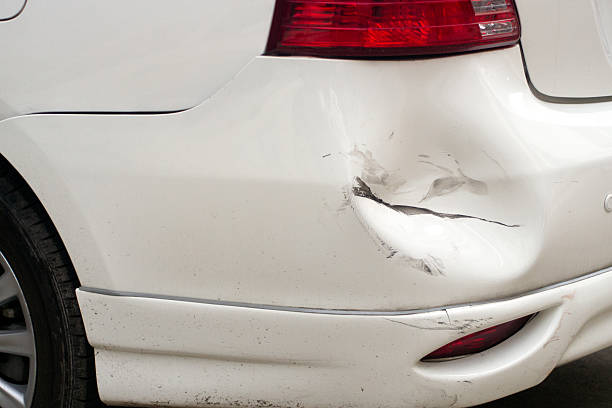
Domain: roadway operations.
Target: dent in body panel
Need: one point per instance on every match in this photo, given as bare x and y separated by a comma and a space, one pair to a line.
361, 189
454, 180
404, 242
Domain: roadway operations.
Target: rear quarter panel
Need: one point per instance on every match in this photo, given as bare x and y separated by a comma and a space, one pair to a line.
248, 196
137, 55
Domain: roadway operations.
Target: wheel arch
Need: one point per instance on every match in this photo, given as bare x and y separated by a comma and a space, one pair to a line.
30, 163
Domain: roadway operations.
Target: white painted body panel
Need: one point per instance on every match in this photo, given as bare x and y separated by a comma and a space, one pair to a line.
191, 354
474, 190
247, 197
567, 46
137, 55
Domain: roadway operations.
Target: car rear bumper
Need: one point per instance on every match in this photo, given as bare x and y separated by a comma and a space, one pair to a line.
188, 353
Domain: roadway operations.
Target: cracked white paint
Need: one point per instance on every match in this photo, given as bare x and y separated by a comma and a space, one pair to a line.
372, 172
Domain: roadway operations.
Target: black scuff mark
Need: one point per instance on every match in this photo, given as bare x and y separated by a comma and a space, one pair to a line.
346, 201
326, 155
361, 189
430, 264
455, 180
392, 253
471, 325
462, 327
373, 172
446, 185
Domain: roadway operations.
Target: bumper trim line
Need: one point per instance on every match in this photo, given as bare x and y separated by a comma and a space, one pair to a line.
350, 312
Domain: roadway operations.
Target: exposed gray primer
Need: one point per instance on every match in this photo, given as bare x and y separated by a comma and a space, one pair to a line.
373, 173
455, 180
361, 189
430, 265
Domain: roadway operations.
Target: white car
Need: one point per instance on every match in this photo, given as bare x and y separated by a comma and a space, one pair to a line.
301, 203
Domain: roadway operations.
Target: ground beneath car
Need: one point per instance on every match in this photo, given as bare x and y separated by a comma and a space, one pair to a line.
585, 383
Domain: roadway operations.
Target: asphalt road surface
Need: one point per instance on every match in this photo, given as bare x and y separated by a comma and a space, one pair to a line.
585, 383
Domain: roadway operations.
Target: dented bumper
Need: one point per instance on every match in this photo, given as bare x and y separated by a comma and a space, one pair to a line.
186, 353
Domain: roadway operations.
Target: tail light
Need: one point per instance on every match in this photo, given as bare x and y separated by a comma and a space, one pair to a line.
378, 28
480, 341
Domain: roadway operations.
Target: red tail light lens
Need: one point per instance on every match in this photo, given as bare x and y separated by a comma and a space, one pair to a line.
480, 341
375, 28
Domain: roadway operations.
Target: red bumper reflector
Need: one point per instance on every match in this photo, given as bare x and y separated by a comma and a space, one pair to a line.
375, 28
479, 341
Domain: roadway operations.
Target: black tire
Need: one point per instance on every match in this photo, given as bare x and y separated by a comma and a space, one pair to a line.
65, 372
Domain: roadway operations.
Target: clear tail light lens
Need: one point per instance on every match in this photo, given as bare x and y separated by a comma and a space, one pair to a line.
378, 28
479, 341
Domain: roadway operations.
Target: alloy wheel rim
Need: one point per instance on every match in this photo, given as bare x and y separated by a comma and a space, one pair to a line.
17, 345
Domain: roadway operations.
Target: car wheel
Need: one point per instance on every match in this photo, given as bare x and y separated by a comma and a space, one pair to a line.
45, 360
